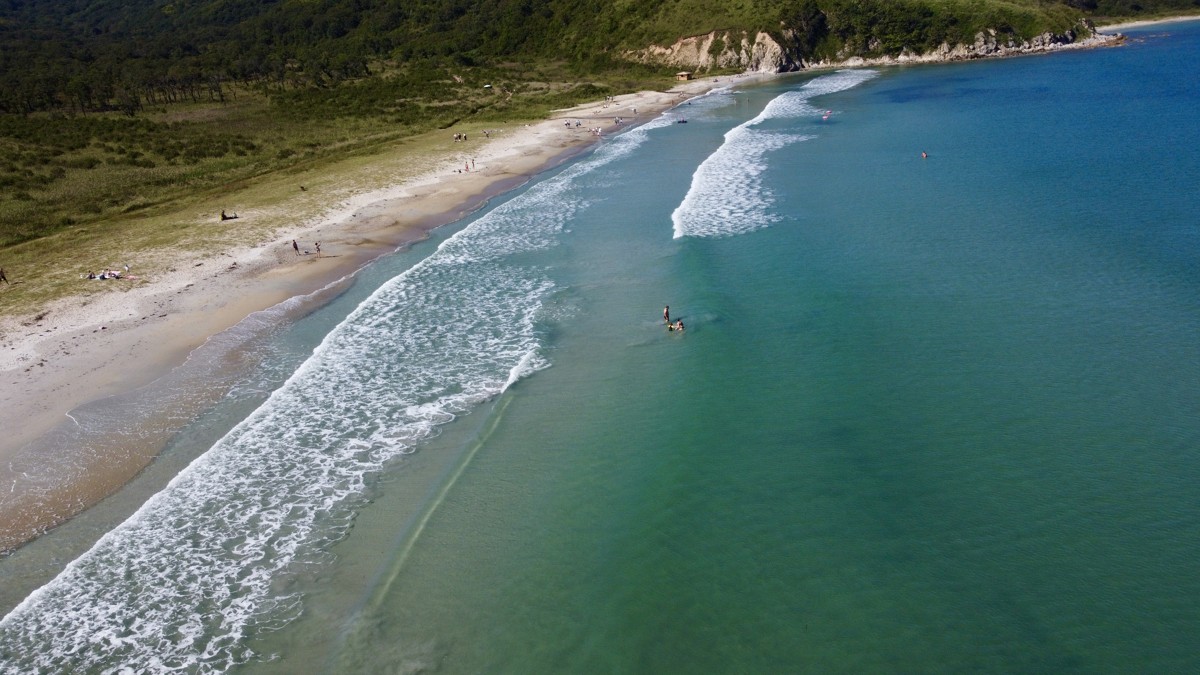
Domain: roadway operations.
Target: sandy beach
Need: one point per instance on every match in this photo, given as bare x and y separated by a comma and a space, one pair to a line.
1117, 27
102, 345
109, 345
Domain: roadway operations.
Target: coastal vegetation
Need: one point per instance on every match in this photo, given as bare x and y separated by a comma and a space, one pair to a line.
111, 110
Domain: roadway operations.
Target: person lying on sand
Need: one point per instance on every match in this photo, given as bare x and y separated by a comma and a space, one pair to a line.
108, 274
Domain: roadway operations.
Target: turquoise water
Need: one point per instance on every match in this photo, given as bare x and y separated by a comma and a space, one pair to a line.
928, 414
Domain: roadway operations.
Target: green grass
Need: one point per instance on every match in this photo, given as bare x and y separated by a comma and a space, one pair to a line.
58, 172
79, 191
101, 191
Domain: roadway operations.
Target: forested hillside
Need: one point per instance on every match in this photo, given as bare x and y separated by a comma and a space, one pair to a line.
110, 106
85, 55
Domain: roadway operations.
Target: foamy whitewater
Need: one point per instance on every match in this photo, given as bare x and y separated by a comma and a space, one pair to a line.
726, 196
184, 582
939, 416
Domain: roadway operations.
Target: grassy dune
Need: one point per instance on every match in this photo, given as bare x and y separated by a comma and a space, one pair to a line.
104, 191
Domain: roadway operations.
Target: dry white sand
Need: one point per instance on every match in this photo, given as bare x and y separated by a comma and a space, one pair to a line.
1118, 27
118, 342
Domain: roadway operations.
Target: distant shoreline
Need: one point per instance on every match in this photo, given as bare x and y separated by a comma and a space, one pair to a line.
1148, 22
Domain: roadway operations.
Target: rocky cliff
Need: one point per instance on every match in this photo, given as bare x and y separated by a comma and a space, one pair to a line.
763, 53
721, 50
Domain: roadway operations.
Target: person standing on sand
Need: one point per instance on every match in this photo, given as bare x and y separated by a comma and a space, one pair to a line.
2, 277
296, 247
318, 249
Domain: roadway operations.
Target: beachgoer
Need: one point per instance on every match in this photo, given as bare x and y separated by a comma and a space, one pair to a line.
924, 155
318, 249
91, 275
296, 247
679, 325
2, 277
667, 314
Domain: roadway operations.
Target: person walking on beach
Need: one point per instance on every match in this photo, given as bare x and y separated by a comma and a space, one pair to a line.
296, 247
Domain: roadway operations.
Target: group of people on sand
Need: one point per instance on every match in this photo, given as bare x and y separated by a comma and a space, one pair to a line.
107, 274
296, 248
462, 138
678, 325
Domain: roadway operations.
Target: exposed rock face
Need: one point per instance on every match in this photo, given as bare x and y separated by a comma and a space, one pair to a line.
764, 54
721, 50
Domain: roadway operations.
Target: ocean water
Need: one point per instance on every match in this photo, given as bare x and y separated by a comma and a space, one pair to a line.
929, 414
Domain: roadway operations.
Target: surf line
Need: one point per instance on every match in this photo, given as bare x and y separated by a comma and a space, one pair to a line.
726, 196
415, 531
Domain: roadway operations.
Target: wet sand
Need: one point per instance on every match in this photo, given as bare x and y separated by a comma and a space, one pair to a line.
52, 467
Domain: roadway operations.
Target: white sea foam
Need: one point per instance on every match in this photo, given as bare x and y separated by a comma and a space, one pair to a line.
186, 580
528, 365
727, 196
700, 107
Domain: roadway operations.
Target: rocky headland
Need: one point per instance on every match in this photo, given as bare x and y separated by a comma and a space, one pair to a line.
724, 50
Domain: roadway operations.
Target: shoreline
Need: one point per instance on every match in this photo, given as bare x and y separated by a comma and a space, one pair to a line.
83, 353
1146, 23
114, 344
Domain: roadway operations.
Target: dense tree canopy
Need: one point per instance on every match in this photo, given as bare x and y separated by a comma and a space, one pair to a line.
112, 107
82, 55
